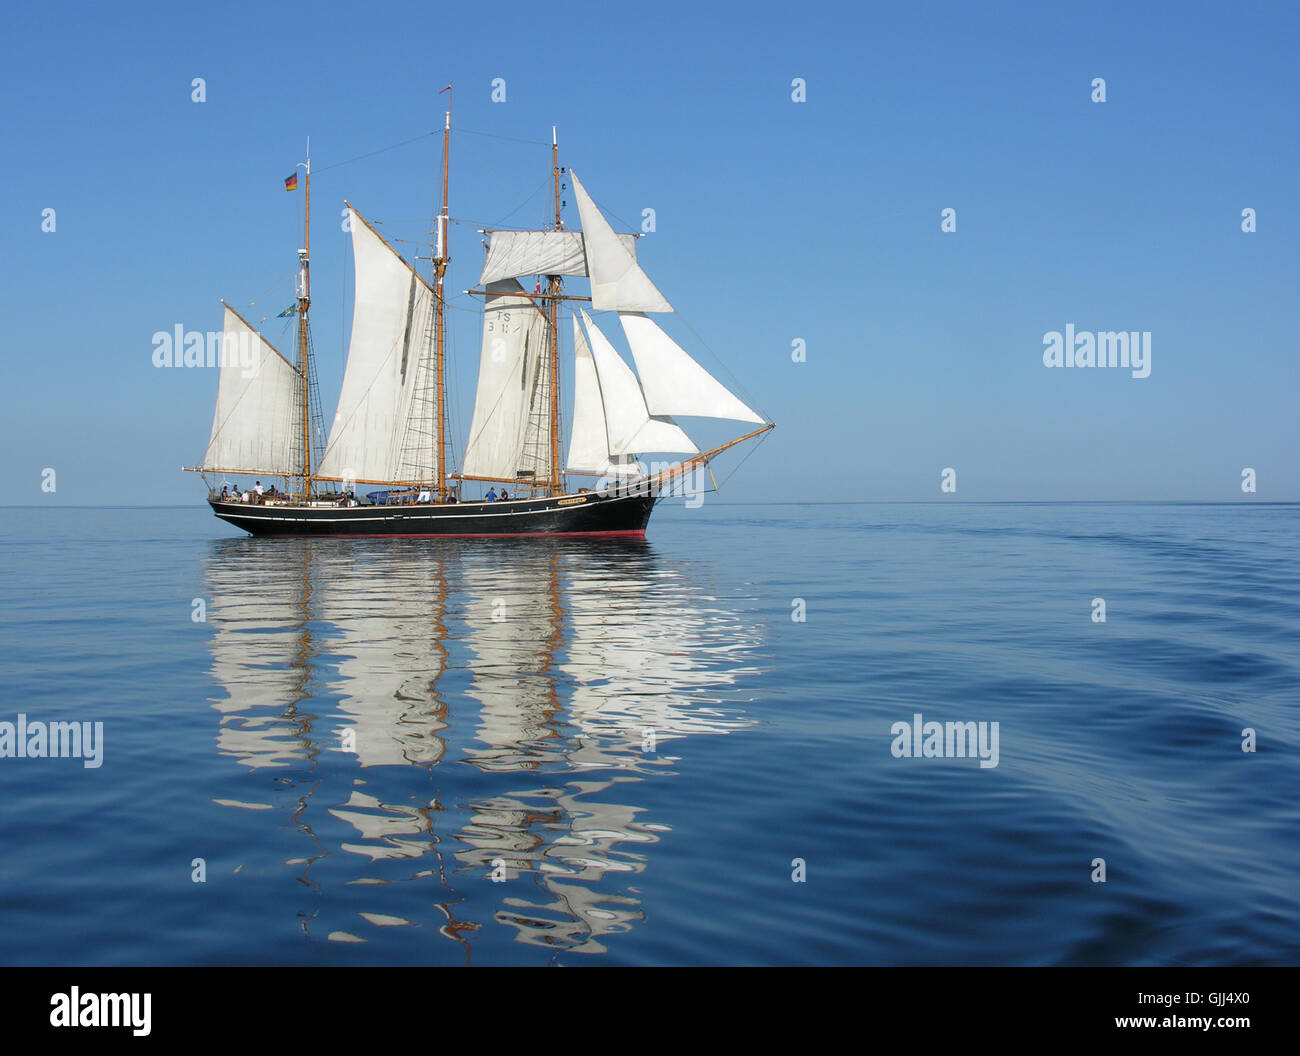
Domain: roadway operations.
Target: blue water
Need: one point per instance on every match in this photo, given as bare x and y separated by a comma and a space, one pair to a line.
358, 734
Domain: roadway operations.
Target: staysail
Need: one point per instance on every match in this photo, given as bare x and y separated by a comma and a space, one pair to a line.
388, 378
256, 427
672, 381
511, 388
589, 441
630, 428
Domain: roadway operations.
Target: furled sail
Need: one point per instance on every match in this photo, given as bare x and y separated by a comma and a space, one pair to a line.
256, 428
672, 381
588, 442
388, 381
511, 388
512, 254
617, 281
629, 426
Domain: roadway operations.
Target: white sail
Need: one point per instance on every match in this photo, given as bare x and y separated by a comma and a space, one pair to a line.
672, 381
387, 368
512, 254
589, 441
617, 281
256, 426
510, 387
629, 426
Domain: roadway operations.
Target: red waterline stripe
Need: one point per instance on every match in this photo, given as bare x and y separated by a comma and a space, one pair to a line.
627, 534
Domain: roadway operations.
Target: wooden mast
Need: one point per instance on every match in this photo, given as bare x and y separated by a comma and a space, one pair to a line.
553, 306
440, 262
304, 302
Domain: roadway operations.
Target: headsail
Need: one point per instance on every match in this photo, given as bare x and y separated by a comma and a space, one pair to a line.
255, 428
512, 254
629, 426
589, 441
617, 281
388, 375
672, 381
511, 388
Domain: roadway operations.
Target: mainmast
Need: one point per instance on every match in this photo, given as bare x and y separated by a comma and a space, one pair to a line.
440, 262
553, 313
304, 303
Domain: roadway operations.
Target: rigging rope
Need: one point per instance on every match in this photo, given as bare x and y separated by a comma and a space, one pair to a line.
381, 150
494, 135
736, 468
275, 285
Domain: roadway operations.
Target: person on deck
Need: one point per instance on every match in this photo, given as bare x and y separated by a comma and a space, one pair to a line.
504, 494
491, 496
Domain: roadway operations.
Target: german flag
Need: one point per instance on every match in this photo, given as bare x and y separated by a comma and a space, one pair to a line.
291, 182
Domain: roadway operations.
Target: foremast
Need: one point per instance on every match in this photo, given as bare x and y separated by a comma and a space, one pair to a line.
304, 334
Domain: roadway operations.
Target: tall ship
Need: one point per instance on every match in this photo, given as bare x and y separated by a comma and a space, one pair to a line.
387, 466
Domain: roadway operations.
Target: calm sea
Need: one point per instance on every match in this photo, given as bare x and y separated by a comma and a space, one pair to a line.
532, 752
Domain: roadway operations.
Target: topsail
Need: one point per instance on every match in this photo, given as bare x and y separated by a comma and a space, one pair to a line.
513, 254
617, 281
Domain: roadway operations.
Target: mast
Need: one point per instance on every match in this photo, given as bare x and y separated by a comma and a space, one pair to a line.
440, 262
304, 303
553, 307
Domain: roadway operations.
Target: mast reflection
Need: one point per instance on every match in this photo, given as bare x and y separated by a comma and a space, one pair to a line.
537, 683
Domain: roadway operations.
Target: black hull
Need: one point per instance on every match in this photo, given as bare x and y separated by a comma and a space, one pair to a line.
590, 514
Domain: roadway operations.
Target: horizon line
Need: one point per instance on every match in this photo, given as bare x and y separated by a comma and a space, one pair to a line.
808, 502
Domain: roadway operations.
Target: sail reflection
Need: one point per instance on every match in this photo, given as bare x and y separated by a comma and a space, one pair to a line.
558, 672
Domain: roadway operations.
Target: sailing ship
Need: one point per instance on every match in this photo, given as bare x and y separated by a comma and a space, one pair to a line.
391, 426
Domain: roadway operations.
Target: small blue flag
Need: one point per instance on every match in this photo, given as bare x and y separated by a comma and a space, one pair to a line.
287, 312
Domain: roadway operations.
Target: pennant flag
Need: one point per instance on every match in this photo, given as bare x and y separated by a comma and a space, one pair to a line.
291, 182
287, 312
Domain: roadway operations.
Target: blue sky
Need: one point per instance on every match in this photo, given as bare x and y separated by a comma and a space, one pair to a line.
776, 221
